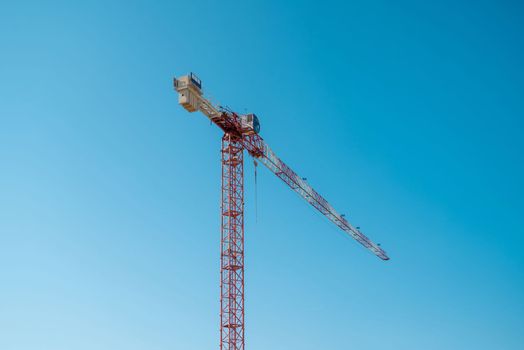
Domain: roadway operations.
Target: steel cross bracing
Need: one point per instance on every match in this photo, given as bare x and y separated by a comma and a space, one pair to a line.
232, 245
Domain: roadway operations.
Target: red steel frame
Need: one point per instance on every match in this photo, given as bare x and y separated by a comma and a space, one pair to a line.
232, 245
234, 141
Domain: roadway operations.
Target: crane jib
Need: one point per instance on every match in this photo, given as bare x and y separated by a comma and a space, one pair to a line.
255, 143
191, 97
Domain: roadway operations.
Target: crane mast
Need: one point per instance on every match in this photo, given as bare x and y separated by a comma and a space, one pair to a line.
241, 132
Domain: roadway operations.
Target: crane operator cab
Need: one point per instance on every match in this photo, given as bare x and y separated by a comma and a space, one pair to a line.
250, 124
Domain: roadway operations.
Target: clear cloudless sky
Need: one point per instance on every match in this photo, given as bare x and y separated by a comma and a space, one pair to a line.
406, 115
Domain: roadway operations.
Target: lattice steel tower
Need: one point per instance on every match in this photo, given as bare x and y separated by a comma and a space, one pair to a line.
241, 132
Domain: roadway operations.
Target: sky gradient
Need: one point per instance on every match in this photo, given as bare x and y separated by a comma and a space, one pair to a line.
406, 115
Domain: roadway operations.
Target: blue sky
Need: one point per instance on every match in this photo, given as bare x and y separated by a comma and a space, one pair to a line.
405, 115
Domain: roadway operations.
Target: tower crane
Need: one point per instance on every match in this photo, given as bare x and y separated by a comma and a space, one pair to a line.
241, 133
